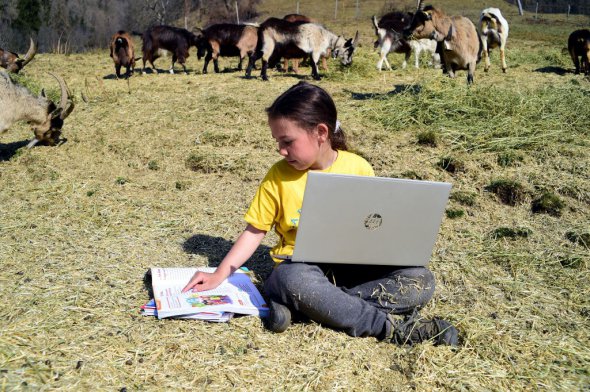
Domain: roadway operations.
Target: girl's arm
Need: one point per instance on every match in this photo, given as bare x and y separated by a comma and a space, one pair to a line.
240, 252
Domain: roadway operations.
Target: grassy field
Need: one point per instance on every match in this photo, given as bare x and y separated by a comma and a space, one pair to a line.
158, 171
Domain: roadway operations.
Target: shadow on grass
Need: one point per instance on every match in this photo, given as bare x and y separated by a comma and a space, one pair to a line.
215, 249
149, 71
123, 76
552, 69
397, 89
7, 151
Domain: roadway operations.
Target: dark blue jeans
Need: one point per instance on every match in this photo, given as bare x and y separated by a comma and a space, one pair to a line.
353, 298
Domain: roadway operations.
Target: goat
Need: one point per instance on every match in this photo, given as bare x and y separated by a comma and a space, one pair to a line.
160, 39
295, 61
12, 62
461, 44
278, 38
578, 45
493, 33
17, 103
226, 39
389, 39
122, 52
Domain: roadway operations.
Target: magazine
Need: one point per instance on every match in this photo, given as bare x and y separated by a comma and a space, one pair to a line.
237, 294
149, 309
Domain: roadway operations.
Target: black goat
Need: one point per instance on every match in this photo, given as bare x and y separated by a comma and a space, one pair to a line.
578, 45
175, 40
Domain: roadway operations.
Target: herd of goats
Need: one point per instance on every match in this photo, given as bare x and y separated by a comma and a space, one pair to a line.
453, 41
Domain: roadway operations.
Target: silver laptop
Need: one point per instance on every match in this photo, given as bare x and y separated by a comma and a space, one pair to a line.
369, 220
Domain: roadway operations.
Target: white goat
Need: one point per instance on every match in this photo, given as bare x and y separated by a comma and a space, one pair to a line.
279, 38
493, 31
18, 104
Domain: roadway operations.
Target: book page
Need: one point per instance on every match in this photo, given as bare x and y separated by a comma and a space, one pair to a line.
237, 294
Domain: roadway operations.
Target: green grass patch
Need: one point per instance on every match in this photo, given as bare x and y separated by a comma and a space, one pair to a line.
508, 191
509, 158
427, 138
548, 203
582, 239
454, 213
512, 233
464, 198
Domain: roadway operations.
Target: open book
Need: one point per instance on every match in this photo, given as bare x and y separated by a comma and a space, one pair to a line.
237, 294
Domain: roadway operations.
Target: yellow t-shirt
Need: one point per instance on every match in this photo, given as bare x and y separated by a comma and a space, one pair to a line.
280, 195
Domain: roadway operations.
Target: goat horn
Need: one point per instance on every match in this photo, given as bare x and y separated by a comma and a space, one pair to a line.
65, 96
30, 53
420, 5
68, 109
32, 142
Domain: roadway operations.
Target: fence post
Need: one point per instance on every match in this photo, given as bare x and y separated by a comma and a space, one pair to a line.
237, 13
358, 10
536, 10
297, 8
519, 8
569, 7
336, 10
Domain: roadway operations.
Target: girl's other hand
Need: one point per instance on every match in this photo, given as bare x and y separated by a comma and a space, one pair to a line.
202, 281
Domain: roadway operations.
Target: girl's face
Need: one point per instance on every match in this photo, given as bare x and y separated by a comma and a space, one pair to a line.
302, 149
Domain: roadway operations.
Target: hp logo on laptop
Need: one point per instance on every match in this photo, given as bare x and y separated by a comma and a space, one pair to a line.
373, 221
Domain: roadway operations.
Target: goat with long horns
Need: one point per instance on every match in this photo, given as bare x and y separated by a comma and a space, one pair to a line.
18, 104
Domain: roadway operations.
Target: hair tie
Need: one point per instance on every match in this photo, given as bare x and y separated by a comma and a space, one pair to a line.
337, 128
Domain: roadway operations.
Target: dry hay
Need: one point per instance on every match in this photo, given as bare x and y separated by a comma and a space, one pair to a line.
159, 171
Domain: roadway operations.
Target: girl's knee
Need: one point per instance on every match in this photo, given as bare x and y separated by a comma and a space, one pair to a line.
287, 278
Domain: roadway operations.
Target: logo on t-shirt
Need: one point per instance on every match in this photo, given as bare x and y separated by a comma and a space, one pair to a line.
295, 221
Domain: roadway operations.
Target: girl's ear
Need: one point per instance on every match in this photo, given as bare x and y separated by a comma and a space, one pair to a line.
323, 132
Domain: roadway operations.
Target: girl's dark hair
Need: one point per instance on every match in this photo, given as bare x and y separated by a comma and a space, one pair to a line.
309, 105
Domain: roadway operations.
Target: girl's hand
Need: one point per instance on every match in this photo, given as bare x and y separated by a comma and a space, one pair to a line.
202, 281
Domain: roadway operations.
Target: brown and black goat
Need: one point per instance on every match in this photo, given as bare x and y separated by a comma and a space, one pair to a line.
461, 46
578, 44
227, 40
18, 104
12, 62
122, 52
160, 39
278, 38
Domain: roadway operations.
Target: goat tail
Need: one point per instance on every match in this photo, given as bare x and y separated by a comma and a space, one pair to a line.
375, 23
